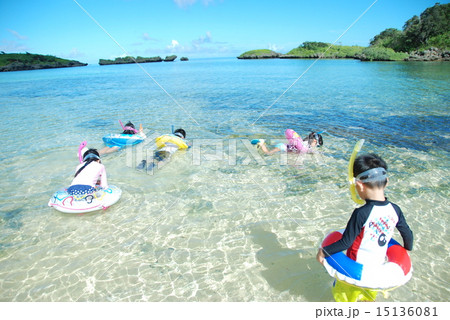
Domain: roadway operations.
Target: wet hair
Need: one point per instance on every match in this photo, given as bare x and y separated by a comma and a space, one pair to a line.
314, 136
131, 125
88, 157
366, 162
181, 131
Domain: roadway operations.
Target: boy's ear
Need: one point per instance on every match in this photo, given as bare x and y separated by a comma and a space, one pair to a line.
387, 182
359, 185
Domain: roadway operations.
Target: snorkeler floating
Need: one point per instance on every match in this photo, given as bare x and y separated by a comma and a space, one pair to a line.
116, 141
295, 143
167, 145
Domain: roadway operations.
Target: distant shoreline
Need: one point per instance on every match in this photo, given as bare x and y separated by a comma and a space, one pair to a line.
30, 61
129, 59
424, 38
355, 53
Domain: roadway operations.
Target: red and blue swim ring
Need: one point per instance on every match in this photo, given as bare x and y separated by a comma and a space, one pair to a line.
395, 272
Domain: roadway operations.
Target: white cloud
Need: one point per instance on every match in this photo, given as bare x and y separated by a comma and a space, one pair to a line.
203, 46
216, 49
75, 53
13, 46
203, 39
186, 3
274, 47
173, 45
17, 35
146, 37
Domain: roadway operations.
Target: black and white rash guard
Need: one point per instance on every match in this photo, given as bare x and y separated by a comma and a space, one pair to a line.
369, 231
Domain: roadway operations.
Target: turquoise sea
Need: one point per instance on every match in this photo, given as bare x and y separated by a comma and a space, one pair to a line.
220, 222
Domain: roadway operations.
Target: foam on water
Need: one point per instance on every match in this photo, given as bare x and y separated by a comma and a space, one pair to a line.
219, 225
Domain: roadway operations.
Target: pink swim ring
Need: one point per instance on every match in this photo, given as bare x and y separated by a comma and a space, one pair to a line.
294, 140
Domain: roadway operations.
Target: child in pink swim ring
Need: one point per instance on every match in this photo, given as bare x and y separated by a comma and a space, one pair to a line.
295, 143
90, 174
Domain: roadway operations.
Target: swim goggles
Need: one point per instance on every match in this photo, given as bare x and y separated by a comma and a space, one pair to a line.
317, 135
127, 127
131, 129
372, 175
91, 155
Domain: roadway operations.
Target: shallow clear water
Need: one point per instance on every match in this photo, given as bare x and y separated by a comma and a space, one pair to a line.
219, 222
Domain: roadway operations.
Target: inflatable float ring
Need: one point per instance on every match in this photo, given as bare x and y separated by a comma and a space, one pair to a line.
171, 138
394, 272
100, 199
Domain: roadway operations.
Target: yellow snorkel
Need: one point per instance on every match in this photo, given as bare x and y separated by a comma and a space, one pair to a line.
351, 179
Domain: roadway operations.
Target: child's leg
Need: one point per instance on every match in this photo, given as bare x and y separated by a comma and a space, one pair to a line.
266, 150
142, 165
107, 150
160, 159
343, 292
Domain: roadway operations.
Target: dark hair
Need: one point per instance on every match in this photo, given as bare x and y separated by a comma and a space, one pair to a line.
180, 131
89, 159
365, 162
314, 136
131, 125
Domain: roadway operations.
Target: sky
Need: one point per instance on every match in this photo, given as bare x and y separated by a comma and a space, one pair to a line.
89, 30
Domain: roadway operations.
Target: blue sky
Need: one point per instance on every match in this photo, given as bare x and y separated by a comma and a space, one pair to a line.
192, 28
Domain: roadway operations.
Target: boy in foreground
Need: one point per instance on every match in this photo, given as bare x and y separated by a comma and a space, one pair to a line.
371, 226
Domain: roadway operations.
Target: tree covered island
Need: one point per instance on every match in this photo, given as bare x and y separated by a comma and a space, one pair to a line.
130, 59
30, 61
424, 38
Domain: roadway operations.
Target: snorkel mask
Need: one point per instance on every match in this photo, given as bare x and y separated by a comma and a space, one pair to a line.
351, 179
91, 156
372, 175
317, 136
127, 127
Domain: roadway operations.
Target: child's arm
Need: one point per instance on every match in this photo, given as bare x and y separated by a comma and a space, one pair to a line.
320, 256
352, 230
103, 179
404, 229
141, 132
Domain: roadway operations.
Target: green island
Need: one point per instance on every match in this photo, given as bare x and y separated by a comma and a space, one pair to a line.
30, 61
130, 59
424, 38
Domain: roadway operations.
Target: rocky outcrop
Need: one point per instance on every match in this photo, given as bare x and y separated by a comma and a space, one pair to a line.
170, 58
128, 59
184, 59
311, 56
432, 54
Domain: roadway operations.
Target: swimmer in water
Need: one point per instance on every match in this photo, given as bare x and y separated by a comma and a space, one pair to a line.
163, 154
295, 143
127, 129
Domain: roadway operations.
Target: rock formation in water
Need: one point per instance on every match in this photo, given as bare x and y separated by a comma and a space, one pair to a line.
129, 59
170, 58
432, 54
